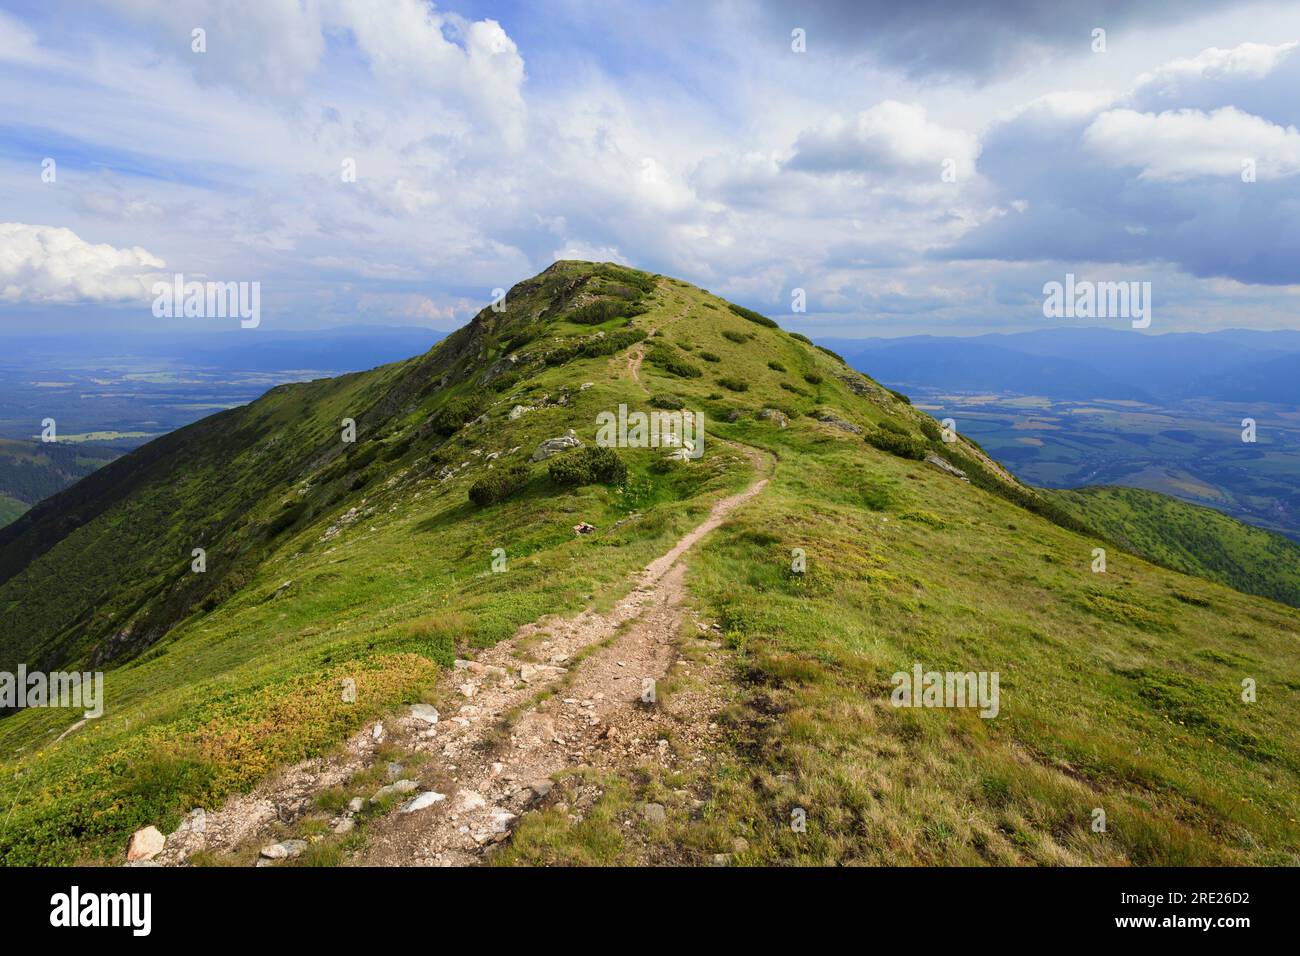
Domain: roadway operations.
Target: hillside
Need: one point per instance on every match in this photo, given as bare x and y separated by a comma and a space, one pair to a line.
377, 562
32, 470
1190, 538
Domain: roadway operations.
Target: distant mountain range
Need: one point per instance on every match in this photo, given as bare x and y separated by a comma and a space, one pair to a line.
1080, 364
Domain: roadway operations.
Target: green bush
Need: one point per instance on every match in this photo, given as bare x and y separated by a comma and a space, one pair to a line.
735, 384
776, 366
812, 378
738, 337
710, 357
590, 465
452, 416
930, 429
594, 313
498, 485
672, 363
901, 397
904, 446
802, 338
611, 343
664, 400
755, 317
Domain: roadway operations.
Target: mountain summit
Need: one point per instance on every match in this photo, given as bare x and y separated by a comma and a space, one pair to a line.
645, 568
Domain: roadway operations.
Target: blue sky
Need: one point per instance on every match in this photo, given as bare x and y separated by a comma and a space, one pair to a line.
490, 139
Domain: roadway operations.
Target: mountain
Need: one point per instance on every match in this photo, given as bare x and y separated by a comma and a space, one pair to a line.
1190, 538
32, 470
636, 656
1236, 365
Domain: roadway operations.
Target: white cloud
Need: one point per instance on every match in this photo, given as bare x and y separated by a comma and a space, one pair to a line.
889, 138
47, 264
1250, 60
1180, 144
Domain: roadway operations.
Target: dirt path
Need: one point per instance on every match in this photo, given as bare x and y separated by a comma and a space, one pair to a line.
494, 759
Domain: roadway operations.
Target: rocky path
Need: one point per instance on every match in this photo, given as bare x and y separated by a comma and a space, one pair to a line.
560, 694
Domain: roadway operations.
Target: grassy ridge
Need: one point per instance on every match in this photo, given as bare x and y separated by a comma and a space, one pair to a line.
369, 561
1191, 538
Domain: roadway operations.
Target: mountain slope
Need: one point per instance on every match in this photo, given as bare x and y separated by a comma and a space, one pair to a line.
1191, 538
369, 562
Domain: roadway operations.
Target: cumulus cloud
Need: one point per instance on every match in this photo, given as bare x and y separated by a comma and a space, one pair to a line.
48, 264
1179, 144
888, 139
275, 48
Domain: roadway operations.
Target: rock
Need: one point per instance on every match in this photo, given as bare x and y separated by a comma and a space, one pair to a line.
517, 411
286, 849
552, 445
394, 770
774, 415
425, 712
345, 825
654, 812
468, 689
401, 786
722, 859
355, 804
945, 466
145, 844
682, 454
531, 672
426, 799
467, 801
585, 385
839, 423
142, 863
541, 787
378, 732
583, 527
739, 845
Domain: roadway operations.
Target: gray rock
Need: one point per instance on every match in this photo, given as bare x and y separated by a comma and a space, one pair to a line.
654, 812
426, 799
401, 786
549, 447
355, 804
839, 423
945, 466
285, 849
425, 712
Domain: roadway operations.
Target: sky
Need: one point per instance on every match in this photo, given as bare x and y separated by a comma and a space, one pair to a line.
921, 168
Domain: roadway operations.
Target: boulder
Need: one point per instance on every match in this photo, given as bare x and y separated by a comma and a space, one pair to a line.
145, 844
945, 466
426, 799
425, 712
549, 447
400, 786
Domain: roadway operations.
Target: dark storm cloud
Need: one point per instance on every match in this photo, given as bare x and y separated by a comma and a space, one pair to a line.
970, 39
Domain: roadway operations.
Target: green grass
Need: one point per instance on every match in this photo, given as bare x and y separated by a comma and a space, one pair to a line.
1191, 538
1118, 690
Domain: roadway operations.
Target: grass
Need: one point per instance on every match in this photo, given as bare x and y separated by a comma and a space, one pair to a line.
1119, 691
